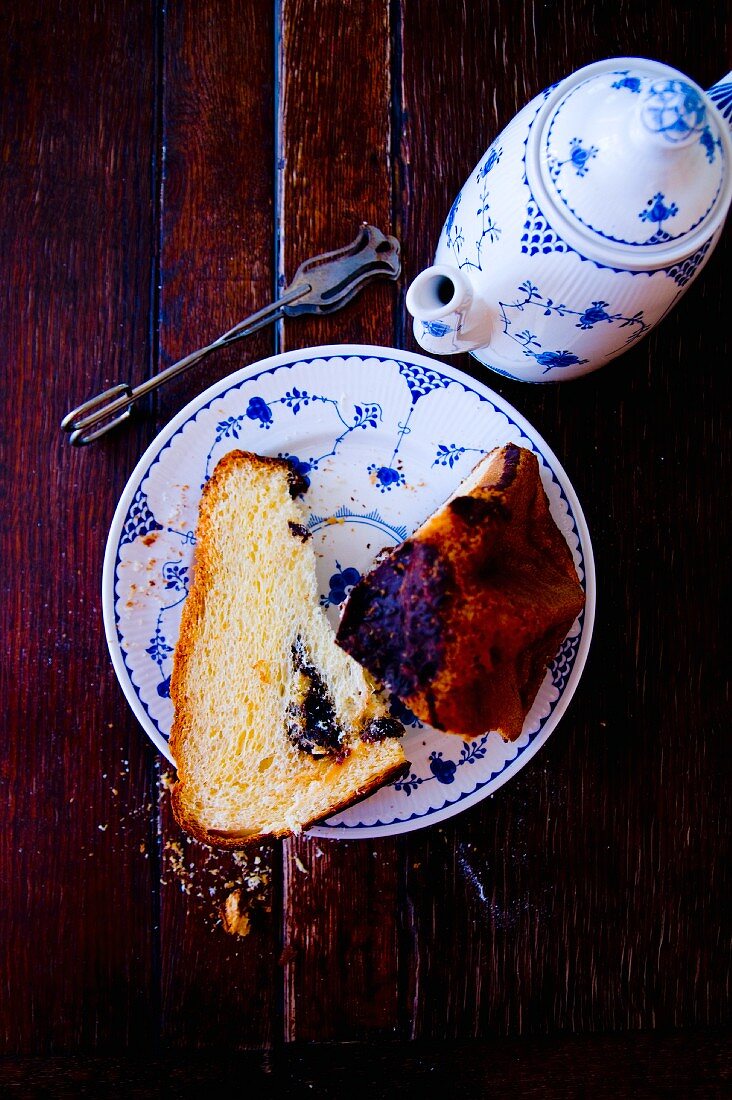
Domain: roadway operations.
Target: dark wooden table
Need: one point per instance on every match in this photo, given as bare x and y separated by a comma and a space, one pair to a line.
162, 167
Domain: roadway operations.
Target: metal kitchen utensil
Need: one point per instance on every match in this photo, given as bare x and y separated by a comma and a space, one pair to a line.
321, 284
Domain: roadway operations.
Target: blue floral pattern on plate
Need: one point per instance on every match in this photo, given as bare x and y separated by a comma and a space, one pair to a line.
384, 437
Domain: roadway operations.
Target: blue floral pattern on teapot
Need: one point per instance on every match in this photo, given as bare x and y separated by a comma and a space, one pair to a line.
605, 196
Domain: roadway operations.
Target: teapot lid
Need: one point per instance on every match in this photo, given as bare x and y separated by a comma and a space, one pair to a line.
634, 157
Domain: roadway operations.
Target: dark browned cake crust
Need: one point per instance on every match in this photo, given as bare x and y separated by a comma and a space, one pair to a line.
461, 620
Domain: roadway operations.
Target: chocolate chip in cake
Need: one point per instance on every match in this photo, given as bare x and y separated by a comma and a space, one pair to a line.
311, 722
298, 531
380, 728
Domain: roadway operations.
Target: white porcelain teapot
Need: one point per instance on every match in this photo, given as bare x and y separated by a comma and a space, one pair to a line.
583, 223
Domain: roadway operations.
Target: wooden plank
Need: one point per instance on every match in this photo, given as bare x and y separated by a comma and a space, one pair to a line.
334, 153
471, 900
692, 1064
341, 931
217, 235
589, 892
217, 255
77, 852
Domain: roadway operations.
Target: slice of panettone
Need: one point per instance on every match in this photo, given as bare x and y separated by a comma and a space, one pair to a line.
275, 727
461, 620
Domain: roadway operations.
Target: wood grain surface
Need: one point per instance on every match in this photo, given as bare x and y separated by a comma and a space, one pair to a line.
695, 1064
164, 168
77, 851
335, 173
217, 266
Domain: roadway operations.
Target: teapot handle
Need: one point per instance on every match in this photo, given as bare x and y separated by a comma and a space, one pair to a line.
721, 96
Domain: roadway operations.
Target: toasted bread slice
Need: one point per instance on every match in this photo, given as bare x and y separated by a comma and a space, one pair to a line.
462, 619
275, 727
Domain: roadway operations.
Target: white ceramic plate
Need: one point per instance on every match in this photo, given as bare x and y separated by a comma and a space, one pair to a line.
384, 436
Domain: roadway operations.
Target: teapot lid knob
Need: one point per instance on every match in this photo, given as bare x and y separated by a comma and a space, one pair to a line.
673, 112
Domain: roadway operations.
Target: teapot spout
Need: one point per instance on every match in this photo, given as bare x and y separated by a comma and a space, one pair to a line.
721, 96
446, 321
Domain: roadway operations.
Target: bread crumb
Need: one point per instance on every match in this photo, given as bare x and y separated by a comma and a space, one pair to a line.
234, 919
211, 876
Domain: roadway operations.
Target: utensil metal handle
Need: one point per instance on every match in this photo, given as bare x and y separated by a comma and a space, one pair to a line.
321, 285
95, 417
